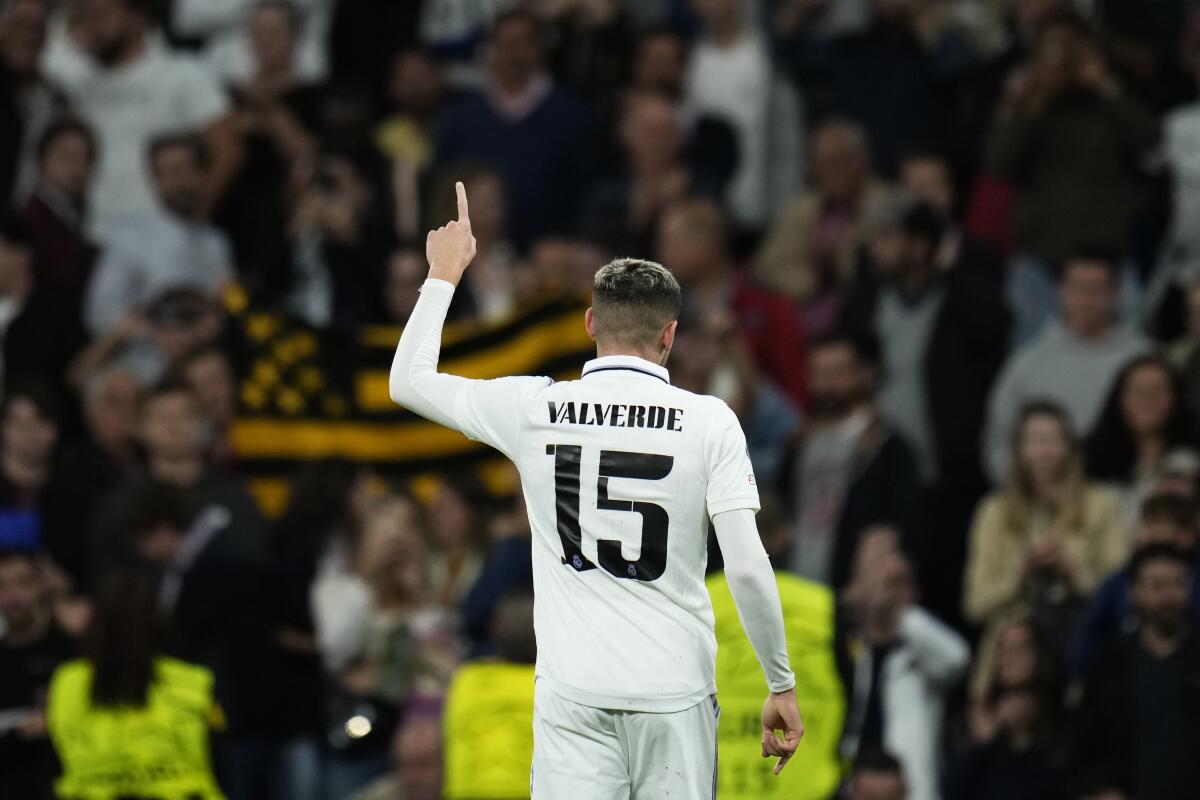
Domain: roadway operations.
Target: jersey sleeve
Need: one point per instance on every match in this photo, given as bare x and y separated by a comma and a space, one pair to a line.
492, 411
731, 484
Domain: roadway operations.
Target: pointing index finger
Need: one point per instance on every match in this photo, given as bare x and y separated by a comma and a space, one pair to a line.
464, 215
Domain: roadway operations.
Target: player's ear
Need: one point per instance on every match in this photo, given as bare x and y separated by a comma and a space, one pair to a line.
589, 322
668, 334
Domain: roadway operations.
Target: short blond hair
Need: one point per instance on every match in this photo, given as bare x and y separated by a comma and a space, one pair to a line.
632, 300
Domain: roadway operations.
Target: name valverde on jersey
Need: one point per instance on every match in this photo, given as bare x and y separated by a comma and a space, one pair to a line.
616, 415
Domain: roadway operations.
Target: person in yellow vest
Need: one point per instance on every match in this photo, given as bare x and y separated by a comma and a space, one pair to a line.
808, 613
126, 720
488, 720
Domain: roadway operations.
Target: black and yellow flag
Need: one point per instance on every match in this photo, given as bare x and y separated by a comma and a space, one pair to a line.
307, 394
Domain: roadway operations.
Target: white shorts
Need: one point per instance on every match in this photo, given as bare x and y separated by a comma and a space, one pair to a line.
585, 753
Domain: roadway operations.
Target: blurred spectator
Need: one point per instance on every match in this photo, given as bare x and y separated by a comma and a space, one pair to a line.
812, 248
622, 210
102, 458
1139, 715
458, 528
899, 663
127, 720
1015, 652
692, 242
416, 91
28, 103
133, 90
171, 247
1165, 519
1019, 761
731, 75
558, 264
171, 432
39, 333
152, 341
1073, 362
209, 373
1015, 727
416, 94
327, 503
539, 138
381, 639
30, 422
1049, 537
55, 214
506, 570
660, 67
1072, 144
849, 470
275, 111
935, 305
31, 647
919, 54
229, 30
217, 604
336, 249
709, 358
489, 711
877, 775
1142, 425
591, 43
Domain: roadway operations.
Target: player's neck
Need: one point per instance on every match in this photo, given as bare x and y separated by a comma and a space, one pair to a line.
645, 355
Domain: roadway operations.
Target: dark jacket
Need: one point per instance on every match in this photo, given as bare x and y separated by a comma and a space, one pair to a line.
883, 489
1076, 166
1108, 732
966, 350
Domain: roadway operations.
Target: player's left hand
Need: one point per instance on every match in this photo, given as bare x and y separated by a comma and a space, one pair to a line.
451, 247
781, 712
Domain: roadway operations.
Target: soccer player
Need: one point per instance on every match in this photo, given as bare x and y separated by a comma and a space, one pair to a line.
621, 473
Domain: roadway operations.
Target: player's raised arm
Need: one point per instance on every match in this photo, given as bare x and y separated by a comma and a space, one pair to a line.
415, 382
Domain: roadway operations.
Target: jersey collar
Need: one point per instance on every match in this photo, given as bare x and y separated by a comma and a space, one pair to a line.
628, 364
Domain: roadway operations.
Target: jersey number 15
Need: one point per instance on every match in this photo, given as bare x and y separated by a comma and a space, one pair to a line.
613, 464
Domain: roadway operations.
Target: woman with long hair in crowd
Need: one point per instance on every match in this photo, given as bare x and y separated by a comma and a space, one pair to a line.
1143, 422
1048, 537
127, 720
1013, 718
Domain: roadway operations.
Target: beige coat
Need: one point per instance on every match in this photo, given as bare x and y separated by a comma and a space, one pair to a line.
998, 553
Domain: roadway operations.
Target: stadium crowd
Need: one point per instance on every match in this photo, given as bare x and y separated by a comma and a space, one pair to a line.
942, 257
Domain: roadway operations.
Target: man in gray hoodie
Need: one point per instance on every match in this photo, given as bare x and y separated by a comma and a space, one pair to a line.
1072, 362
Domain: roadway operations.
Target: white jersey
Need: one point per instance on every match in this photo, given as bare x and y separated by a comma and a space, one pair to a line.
621, 472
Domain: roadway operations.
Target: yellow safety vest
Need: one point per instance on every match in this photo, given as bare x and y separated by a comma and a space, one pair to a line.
159, 751
814, 772
488, 726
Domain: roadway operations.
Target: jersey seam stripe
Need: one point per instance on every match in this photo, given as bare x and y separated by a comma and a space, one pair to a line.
627, 369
